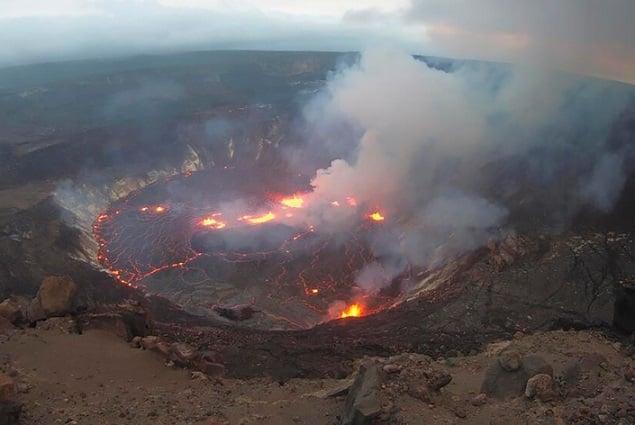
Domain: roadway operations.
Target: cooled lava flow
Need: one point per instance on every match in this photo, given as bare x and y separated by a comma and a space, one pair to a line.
231, 252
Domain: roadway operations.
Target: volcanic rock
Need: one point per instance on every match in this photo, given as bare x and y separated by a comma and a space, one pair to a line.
10, 409
163, 348
582, 375
624, 316
136, 342
460, 412
149, 342
35, 312
509, 360
532, 365
500, 383
629, 374
198, 375
10, 412
363, 403
127, 320
208, 362
391, 368
11, 310
540, 387
336, 391
7, 390
238, 314
182, 354
438, 379
54, 298
479, 400
5, 326
65, 325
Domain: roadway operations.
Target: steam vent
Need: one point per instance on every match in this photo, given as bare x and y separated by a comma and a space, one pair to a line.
319, 238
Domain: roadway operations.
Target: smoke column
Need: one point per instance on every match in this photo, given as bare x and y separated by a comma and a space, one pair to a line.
449, 152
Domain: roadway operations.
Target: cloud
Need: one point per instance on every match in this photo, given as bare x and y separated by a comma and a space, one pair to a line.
584, 36
38, 32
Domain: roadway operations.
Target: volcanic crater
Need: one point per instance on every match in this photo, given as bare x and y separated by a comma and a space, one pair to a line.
181, 185
229, 238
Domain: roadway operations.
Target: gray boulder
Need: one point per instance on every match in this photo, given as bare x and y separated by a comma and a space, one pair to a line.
362, 403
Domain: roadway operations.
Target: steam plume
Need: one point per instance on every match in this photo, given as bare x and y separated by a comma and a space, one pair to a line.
449, 155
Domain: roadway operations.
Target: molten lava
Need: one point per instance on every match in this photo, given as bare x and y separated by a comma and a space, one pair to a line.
259, 219
353, 310
287, 268
376, 216
293, 202
213, 223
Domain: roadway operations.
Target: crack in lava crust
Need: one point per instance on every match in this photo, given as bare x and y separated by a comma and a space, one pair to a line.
177, 238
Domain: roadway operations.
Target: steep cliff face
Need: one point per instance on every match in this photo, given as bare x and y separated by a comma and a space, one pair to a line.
81, 202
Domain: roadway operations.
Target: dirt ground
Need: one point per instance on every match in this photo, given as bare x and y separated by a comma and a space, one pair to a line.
97, 378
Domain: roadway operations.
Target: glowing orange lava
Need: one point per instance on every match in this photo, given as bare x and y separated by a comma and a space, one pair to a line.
376, 216
294, 202
213, 223
159, 209
315, 290
353, 310
259, 219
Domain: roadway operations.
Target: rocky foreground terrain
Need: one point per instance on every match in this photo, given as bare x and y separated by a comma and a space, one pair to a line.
95, 367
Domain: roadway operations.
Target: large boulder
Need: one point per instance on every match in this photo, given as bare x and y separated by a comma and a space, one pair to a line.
363, 404
55, 297
11, 310
500, 382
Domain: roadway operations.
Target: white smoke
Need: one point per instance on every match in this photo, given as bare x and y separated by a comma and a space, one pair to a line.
445, 155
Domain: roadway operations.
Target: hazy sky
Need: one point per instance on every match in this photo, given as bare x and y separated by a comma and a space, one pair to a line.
586, 36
